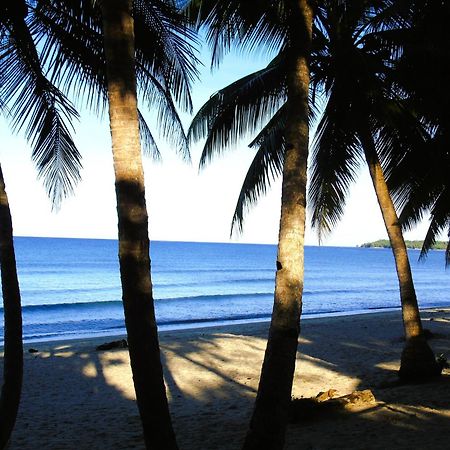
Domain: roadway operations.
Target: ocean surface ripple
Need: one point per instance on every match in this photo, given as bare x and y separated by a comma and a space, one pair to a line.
71, 287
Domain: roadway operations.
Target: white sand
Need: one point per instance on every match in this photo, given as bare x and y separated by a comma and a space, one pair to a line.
75, 397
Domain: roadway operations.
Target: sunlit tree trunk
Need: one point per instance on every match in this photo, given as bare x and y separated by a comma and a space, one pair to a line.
13, 347
418, 360
270, 415
134, 259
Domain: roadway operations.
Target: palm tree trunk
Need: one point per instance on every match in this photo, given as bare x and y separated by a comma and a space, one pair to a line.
133, 227
270, 415
13, 347
417, 361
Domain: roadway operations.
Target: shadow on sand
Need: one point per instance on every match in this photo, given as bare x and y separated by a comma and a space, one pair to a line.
78, 398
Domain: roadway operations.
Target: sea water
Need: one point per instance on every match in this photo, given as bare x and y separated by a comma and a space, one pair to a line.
71, 287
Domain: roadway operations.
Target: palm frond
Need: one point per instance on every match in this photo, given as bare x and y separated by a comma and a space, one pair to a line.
439, 221
416, 185
336, 158
165, 47
237, 24
388, 15
266, 166
148, 143
56, 156
72, 48
169, 123
415, 197
39, 107
239, 109
401, 134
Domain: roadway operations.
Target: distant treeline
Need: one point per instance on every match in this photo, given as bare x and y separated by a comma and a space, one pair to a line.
384, 243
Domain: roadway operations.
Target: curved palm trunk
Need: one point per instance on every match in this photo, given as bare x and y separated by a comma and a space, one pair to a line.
133, 227
270, 415
417, 361
13, 348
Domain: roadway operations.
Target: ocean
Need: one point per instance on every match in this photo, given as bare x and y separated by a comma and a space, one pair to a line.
71, 287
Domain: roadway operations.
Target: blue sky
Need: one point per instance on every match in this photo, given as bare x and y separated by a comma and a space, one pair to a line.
183, 204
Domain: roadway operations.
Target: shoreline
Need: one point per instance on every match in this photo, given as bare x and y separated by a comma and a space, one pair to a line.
232, 328
77, 397
214, 324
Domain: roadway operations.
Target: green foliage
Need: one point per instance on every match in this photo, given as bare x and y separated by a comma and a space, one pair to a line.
53, 49
35, 103
419, 180
364, 62
384, 243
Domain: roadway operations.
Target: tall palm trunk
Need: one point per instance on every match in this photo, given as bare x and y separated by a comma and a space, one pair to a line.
13, 348
118, 29
270, 415
417, 361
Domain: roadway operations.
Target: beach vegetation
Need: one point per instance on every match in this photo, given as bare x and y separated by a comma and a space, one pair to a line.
166, 67
346, 64
414, 245
134, 258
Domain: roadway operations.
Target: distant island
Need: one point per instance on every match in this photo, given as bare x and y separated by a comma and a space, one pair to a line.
384, 243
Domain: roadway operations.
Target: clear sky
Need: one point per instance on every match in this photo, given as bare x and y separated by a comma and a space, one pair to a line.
183, 204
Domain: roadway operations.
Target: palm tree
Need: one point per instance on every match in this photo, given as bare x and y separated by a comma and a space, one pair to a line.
133, 226
145, 45
250, 24
13, 349
365, 123
77, 58
359, 109
40, 107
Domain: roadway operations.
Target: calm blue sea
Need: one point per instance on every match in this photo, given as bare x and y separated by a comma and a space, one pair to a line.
71, 287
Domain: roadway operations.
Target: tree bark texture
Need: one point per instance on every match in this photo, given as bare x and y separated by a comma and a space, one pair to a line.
270, 415
134, 259
13, 347
418, 360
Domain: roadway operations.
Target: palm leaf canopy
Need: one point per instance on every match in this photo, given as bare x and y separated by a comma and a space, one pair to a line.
423, 187
420, 180
354, 73
35, 103
53, 48
234, 23
252, 105
165, 58
239, 109
347, 74
267, 165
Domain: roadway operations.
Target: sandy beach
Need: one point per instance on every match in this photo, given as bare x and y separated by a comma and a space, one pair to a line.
75, 397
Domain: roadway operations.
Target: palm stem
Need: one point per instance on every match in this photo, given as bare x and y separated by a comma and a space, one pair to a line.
270, 415
134, 256
417, 360
13, 347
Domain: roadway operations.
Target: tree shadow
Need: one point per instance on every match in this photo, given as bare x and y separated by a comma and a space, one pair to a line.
398, 420
340, 352
72, 400
77, 398
356, 357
